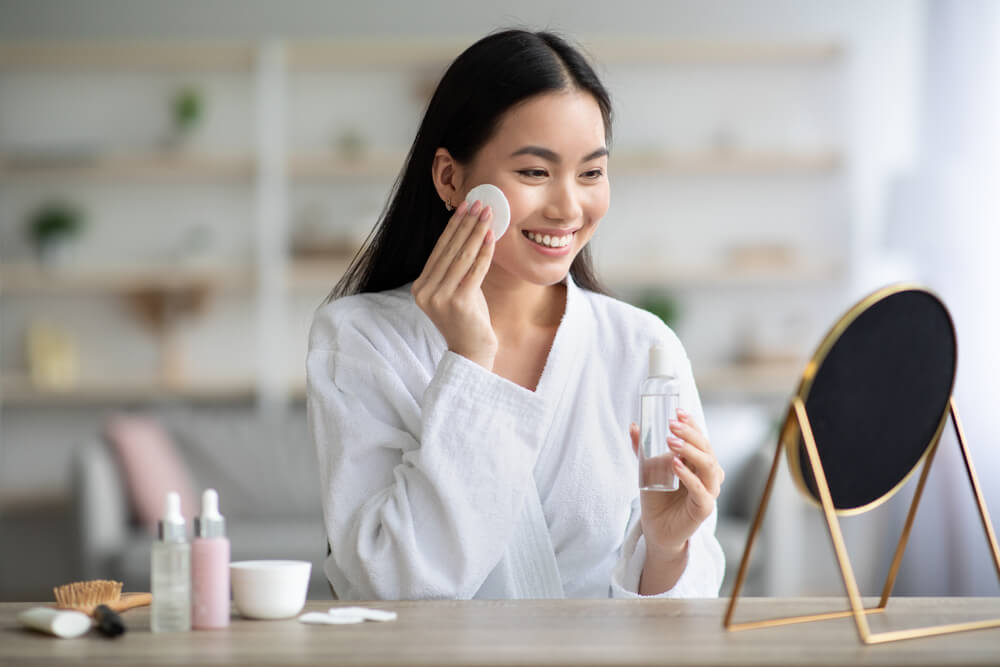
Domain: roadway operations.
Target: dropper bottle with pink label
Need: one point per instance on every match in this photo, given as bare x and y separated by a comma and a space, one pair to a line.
209, 567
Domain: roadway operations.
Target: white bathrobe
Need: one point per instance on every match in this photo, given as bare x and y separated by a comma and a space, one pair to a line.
443, 480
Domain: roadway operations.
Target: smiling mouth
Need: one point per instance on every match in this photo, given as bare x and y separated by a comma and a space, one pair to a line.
549, 241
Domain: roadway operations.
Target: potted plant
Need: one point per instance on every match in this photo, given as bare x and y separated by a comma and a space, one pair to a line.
661, 304
186, 110
52, 229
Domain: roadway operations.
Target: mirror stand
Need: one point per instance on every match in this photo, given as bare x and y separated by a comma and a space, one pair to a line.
797, 415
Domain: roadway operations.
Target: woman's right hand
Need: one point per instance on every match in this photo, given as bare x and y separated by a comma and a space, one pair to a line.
449, 289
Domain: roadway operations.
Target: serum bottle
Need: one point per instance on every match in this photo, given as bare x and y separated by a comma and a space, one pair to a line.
660, 398
209, 567
171, 572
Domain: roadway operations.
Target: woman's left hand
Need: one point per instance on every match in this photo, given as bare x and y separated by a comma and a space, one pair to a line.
670, 518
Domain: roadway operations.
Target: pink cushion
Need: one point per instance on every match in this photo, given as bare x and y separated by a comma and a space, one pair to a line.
151, 466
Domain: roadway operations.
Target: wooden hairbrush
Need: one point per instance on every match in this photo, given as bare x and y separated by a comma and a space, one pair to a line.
102, 599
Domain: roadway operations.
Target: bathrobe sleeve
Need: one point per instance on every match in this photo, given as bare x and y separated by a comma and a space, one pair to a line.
421, 487
703, 575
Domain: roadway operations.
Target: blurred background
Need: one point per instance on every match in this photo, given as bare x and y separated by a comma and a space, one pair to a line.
181, 184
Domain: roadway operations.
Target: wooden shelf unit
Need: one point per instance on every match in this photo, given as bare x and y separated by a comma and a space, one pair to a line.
309, 274
21, 391
726, 162
329, 167
306, 55
318, 274
656, 51
169, 56
771, 380
137, 167
200, 55
647, 274
32, 278
153, 165
180, 168
753, 381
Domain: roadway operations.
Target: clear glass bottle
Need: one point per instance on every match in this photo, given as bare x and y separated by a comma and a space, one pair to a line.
660, 398
171, 572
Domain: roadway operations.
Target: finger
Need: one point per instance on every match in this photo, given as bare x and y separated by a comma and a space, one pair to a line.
633, 431
695, 457
685, 428
449, 230
701, 463
463, 226
429, 271
463, 259
697, 493
474, 279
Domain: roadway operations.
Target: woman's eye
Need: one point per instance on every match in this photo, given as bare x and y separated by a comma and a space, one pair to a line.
593, 173
533, 173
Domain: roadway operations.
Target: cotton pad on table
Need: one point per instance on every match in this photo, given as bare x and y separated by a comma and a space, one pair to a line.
347, 616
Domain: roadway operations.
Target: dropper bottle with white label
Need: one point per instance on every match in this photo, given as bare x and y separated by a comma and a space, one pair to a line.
171, 572
660, 398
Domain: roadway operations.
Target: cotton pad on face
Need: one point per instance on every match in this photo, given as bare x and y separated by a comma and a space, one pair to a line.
493, 197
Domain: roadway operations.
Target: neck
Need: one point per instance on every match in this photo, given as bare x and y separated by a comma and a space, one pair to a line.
516, 306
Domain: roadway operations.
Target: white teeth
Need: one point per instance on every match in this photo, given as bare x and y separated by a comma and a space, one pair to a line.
550, 241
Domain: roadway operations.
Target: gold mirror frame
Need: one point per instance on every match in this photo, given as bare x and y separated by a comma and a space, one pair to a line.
797, 423
790, 434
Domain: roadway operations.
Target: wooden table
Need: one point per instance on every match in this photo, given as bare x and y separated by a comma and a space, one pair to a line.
542, 632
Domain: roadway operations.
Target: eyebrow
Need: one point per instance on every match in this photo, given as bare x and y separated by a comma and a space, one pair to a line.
552, 156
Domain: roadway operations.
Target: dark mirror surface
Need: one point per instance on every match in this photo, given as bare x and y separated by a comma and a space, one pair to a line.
879, 396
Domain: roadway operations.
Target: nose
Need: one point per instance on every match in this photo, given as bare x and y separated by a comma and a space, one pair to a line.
563, 202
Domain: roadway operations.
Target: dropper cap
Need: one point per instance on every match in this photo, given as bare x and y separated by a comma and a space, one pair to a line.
171, 526
210, 523
659, 362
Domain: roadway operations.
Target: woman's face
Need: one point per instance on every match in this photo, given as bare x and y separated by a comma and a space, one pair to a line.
549, 157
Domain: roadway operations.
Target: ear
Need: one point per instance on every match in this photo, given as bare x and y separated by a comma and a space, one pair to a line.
448, 176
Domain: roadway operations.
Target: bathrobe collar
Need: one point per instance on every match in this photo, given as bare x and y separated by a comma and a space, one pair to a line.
564, 356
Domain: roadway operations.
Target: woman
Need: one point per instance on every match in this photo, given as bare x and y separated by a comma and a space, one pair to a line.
470, 397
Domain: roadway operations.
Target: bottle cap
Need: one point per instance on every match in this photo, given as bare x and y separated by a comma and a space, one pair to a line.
210, 523
492, 196
659, 362
171, 526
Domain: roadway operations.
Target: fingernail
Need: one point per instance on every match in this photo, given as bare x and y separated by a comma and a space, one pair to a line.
682, 413
485, 213
675, 443
675, 424
476, 207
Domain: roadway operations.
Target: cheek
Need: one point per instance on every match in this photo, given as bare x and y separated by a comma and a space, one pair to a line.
506, 253
522, 204
596, 205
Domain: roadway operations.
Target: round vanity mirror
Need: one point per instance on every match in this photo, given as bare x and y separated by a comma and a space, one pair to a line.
876, 393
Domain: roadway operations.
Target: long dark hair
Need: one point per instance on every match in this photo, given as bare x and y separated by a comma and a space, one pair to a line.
486, 80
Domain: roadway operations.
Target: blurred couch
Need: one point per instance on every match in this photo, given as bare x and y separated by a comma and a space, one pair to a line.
264, 471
